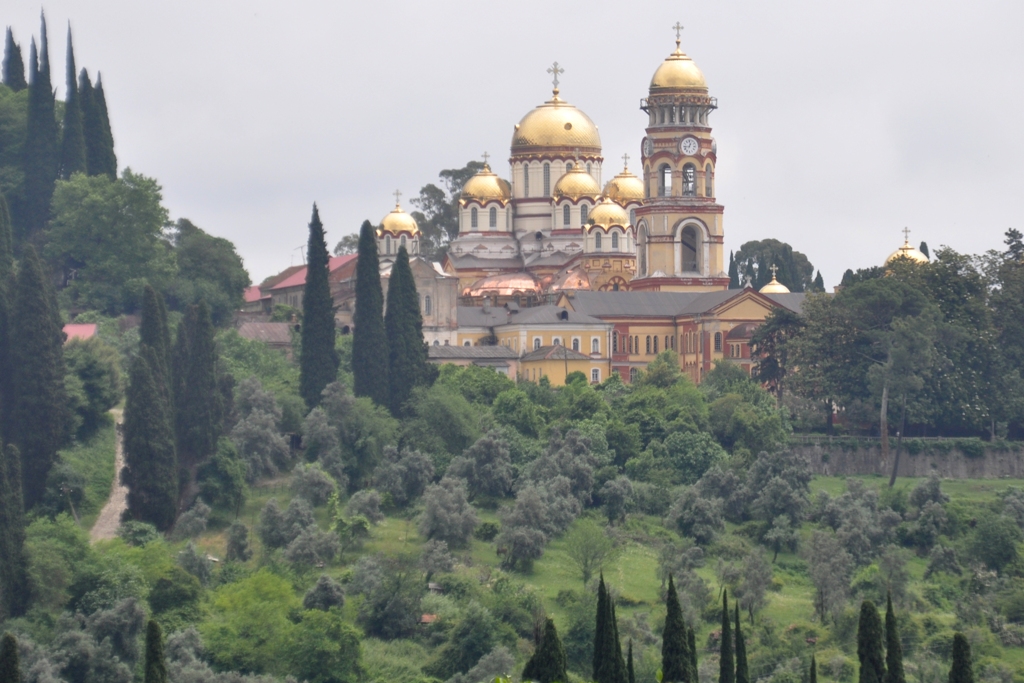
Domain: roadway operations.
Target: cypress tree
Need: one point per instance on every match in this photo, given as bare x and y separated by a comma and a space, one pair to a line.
742, 674
10, 668
403, 325
630, 673
14, 65
962, 670
869, 644
369, 342
37, 404
734, 272
693, 656
726, 665
13, 562
547, 665
103, 161
6, 287
619, 665
90, 123
156, 665
155, 333
814, 670
819, 282
601, 656
924, 249
42, 154
72, 151
197, 399
151, 472
675, 659
6, 241
893, 646
318, 363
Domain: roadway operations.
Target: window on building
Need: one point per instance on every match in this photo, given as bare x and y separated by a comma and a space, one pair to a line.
547, 180
526, 180
648, 345
427, 305
473, 220
584, 213
568, 166
536, 343
718, 341
633, 373
709, 183
667, 342
655, 344
492, 220
588, 168
387, 245
665, 181
595, 345
566, 214
630, 345
689, 180
575, 344
437, 343
682, 343
466, 343
557, 341
632, 216
615, 342
446, 342
597, 241
402, 245
595, 375
615, 241
636, 343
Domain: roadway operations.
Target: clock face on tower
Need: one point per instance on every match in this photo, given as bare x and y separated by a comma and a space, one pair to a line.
689, 146
648, 147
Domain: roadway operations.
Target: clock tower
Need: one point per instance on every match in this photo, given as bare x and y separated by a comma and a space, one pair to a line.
679, 236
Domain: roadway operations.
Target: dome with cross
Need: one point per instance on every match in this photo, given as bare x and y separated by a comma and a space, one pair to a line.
398, 221
678, 72
555, 126
624, 187
486, 186
907, 251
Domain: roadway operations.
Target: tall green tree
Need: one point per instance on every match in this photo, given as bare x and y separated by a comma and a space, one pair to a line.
155, 333
14, 65
769, 346
37, 407
608, 664
962, 671
151, 471
156, 664
924, 249
10, 668
675, 657
734, 273
438, 215
198, 411
6, 289
6, 241
99, 140
869, 644
403, 324
819, 283
14, 589
209, 269
630, 672
742, 673
893, 646
42, 154
547, 665
814, 670
72, 150
369, 341
726, 663
318, 362
755, 259
694, 671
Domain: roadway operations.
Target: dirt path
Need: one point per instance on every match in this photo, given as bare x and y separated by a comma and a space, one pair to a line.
110, 516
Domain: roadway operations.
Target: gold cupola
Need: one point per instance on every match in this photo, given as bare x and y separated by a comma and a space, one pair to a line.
678, 73
575, 184
907, 251
556, 126
774, 287
624, 188
486, 186
399, 222
607, 214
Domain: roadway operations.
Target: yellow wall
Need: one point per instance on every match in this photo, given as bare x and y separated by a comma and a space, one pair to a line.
555, 370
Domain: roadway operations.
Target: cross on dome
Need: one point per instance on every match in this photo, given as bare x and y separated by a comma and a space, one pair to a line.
625, 162
554, 70
486, 156
679, 29
774, 270
398, 194
906, 235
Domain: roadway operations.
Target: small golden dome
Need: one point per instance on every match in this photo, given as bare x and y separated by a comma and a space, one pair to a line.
774, 287
575, 184
607, 214
399, 221
624, 188
486, 186
556, 124
678, 72
907, 251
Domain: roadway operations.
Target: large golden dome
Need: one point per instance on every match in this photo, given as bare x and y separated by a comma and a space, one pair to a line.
607, 214
556, 124
907, 251
486, 186
774, 287
678, 72
575, 184
624, 188
399, 221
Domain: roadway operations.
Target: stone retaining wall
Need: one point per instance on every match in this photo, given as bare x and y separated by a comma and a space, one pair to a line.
842, 459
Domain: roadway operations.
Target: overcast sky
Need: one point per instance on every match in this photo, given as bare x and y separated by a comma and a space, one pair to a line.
838, 123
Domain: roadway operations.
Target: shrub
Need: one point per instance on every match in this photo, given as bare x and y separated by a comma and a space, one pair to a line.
486, 531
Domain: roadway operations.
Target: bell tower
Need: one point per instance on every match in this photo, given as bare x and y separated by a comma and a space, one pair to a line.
679, 238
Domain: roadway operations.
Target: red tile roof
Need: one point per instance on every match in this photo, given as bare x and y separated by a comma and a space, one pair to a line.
253, 294
80, 330
298, 279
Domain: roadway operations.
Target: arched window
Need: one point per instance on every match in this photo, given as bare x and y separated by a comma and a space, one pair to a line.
595, 345
575, 344
595, 375
547, 180
492, 220
632, 216
718, 341
568, 167
641, 251
536, 343
588, 168
630, 345
655, 344
615, 241
667, 342
557, 341
689, 180
636, 343
584, 213
566, 214
633, 374
689, 243
664, 180
427, 305
709, 182
387, 245
597, 241
473, 220
402, 244
648, 345
615, 342
526, 180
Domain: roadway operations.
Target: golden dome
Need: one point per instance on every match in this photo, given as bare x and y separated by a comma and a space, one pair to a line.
399, 221
909, 252
486, 186
504, 284
678, 72
607, 214
774, 287
575, 184
556, 124
624, 188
